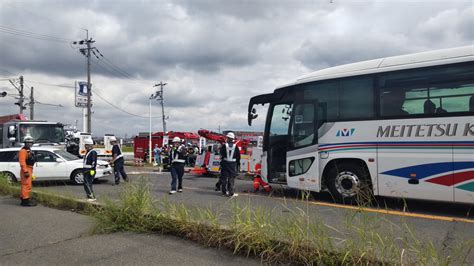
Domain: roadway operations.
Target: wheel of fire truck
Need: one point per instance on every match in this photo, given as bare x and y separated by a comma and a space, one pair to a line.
349, 182
77, 177
11, 178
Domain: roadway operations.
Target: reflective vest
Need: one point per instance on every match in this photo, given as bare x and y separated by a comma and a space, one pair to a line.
119, 155
230, 153
90, 163
175, 154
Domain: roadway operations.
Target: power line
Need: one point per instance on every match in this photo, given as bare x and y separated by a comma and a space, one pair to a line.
33, 35
120, 109
32, 13
117, 68
109, 70
50, 84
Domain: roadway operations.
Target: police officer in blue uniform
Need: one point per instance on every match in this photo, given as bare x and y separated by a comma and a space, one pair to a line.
117, 160
90, 163
177, 159
230, 160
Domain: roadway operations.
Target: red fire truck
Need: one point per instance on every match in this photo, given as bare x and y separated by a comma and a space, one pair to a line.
141, 141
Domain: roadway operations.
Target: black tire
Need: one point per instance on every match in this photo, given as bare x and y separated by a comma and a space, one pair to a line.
349, 182
11, 178
77, 177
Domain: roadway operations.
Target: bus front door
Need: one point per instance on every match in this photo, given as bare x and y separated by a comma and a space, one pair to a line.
275, 140
302, 153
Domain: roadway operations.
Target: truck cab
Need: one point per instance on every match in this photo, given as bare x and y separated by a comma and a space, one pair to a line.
13, 132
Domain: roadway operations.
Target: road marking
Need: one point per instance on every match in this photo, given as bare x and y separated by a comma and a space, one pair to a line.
357, 208
142, 173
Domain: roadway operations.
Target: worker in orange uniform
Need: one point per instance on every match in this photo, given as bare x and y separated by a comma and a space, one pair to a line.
27, 159
258, 181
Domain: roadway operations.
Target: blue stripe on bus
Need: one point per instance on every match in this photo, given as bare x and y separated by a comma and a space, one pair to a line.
426, 170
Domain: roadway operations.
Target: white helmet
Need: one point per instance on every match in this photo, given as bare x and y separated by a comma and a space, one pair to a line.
113, 138
88, 141
176, 139
28, 139
230, 135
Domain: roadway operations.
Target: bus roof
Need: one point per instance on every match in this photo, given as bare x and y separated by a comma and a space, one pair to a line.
424, 59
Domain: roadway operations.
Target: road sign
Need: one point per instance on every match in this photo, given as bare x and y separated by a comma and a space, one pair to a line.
81, 94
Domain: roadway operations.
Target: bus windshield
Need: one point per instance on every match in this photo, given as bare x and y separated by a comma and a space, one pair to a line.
43, 133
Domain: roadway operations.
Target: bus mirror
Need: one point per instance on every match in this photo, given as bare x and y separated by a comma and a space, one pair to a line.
251, 116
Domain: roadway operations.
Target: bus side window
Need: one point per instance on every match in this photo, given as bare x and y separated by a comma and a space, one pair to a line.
322, 114
393, 101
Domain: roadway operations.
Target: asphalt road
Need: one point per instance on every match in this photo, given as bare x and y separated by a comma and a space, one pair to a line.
431, 221
44, 236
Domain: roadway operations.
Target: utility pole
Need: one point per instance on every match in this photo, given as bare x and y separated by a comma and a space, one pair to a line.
87, 52
152, 97
21, 98
32, 105
89, 120
161, 84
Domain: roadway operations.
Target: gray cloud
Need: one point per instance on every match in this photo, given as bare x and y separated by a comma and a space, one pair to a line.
214, 55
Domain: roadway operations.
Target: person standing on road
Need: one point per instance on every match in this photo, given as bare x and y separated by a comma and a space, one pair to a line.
118, 161
230, 160
157, 152
27, 159
177, 159
90, 163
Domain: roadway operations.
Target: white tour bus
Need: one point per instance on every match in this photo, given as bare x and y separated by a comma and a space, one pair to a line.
399, 126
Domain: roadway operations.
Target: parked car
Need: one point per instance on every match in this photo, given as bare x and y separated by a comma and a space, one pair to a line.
52, 164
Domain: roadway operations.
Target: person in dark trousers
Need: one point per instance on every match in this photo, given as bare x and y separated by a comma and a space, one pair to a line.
90, 163
26, 159
117, 160
177, 159
230, 160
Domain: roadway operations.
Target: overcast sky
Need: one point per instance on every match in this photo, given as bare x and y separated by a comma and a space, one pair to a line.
213, 55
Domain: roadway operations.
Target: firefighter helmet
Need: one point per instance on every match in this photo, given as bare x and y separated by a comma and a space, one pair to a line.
113, 138
230, 135
176, 139
88, 142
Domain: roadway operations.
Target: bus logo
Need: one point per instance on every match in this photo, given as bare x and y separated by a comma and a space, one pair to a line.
346, 132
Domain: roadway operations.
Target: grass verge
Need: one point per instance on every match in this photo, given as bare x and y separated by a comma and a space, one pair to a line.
296, 238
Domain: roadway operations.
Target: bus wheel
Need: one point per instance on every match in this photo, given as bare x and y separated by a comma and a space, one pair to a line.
348, 183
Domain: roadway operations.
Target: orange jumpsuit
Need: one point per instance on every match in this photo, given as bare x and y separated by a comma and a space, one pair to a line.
26, 159
258, 181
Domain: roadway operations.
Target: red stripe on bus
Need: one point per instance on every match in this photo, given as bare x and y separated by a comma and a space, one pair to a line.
450, 180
